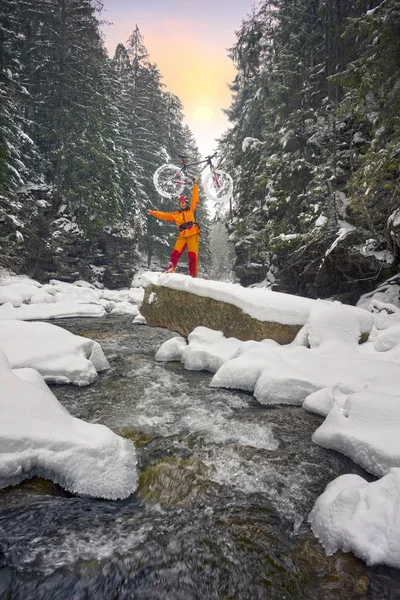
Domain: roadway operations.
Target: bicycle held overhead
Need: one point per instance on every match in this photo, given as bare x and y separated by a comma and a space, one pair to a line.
185, 219
170, 180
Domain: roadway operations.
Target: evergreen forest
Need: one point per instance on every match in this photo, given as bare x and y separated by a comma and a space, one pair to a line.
314, 146
81, 134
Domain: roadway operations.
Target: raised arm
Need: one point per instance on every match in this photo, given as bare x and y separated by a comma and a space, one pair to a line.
195, 196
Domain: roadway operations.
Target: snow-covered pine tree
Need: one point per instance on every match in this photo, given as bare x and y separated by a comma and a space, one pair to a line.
242, 145
74, 117
71, 119
20, 164
371, 84
130, 171
148, 130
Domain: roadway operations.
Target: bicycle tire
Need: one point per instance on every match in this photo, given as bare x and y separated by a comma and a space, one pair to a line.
166, 182
218, 186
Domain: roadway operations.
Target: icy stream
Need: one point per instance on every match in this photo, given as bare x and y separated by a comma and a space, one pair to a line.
226, 486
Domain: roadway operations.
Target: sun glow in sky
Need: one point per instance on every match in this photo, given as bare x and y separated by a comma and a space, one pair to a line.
189, 42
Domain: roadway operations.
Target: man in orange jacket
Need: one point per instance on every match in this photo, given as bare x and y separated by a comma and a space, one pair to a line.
189, 231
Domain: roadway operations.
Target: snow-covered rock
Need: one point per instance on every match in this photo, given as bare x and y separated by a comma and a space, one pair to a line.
60, 356
171, 350
365, 427
139, 320
39, 437
360, 517
125, 308
22, 298
183, 303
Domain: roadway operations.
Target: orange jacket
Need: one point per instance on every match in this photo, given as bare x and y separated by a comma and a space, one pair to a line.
180, 217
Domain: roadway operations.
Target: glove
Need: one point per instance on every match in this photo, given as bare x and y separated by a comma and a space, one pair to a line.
196, 179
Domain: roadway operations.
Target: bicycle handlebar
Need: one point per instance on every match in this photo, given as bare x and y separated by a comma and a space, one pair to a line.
207, 158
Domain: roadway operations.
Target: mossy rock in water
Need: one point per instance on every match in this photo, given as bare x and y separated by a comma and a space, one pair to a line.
341, 576
114, 385
174, 481
22, 493
284, 570
139, 438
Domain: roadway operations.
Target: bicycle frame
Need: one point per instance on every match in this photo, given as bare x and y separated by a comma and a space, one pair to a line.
186, 165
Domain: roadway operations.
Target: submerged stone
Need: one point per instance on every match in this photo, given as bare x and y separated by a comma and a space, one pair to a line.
341, 575
98, 336
174, 481
24, 493
139, 438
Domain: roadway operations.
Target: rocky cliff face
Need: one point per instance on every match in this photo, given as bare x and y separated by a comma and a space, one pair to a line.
344, 266
110, 260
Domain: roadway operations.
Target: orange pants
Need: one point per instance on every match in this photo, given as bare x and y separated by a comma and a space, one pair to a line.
192, 244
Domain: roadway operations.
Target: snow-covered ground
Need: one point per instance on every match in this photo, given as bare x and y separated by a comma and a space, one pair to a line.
356, 387
28, 300
37, 435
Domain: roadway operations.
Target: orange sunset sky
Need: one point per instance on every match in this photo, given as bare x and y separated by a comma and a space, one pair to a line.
188, 40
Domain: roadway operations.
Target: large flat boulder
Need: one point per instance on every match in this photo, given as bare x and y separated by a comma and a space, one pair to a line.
183, 311
181, 303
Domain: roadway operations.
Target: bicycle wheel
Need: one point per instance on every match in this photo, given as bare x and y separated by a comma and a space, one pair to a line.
218, 186
169, 181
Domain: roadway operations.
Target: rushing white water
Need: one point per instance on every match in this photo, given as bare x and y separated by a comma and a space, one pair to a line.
222, 504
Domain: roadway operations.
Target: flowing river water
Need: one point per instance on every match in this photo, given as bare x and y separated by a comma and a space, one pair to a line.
225, 489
